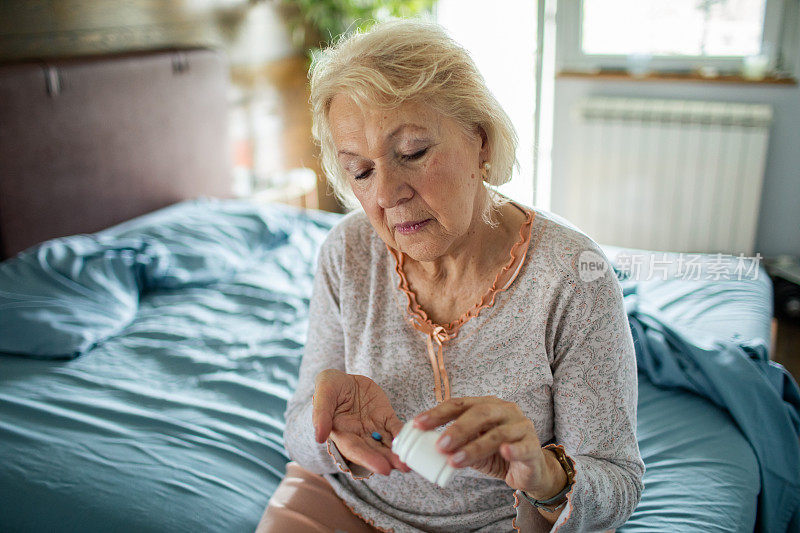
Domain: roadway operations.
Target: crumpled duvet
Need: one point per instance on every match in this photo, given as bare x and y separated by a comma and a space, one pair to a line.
64, 296
760, 395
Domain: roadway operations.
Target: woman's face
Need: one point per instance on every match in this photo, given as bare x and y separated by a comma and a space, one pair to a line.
415, 172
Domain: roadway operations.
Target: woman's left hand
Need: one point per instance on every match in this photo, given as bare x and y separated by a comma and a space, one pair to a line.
495, 437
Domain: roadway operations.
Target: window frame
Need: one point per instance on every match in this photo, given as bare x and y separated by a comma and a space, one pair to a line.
569, 23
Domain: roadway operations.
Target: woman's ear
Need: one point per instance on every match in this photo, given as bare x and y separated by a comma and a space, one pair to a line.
485, 152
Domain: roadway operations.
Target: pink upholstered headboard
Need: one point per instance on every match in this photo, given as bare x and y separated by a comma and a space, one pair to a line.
86, 143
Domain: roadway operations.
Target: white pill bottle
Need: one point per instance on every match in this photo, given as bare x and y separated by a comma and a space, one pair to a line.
417, 449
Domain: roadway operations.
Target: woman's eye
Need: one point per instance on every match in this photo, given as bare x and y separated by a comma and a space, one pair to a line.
415, 155
363, 175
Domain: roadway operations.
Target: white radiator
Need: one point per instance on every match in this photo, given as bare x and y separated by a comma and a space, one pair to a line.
669, 175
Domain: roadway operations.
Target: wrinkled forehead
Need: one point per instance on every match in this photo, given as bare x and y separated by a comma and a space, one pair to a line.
350, 115
343, 106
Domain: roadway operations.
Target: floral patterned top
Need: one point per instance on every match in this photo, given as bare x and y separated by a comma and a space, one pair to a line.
553, 341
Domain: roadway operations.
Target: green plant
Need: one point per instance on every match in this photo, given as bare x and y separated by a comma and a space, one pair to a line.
315, 23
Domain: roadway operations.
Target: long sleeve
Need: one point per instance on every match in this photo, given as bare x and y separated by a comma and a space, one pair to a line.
324, 349
594, 400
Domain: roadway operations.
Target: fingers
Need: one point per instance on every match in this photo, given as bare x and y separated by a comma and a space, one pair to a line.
444, 412
324, 403
469, 426
393, 427
322, 414
369, 455
482, 427
395, 461
473, 417
514, 436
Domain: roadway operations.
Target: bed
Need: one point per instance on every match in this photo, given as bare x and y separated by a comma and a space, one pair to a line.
149, 348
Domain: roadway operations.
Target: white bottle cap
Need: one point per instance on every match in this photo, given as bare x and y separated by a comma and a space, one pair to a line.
417, 449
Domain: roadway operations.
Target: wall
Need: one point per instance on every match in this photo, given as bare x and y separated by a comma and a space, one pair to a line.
249, 33
268, 73
779, 216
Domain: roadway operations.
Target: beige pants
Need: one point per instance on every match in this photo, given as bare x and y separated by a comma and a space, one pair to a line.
306, 503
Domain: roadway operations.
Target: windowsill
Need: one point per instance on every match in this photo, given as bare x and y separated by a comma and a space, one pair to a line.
622, 75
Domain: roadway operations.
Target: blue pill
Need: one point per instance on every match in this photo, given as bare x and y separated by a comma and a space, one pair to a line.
376, 436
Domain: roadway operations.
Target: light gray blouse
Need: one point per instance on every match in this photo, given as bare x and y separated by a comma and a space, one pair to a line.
556, 342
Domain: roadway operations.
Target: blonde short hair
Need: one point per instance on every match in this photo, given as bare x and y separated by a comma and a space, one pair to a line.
409, 60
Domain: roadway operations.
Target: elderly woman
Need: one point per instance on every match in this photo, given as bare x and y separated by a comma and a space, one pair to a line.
443, 302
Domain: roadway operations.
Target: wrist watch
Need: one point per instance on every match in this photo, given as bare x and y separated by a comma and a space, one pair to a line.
553, 504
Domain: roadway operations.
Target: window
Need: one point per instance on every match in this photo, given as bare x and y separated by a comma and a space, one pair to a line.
668, 35
502, 42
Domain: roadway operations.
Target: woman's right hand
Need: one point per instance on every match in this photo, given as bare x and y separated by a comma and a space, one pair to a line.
347, 409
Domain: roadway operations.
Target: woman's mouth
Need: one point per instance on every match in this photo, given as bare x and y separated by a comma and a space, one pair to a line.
407, 228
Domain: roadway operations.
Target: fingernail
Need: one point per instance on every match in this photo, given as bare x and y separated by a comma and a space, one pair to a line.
422, 418
444, 442
459, 457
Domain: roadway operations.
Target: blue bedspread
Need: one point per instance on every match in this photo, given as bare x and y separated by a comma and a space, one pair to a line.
60, 299
190, 324
762, 398
172, 418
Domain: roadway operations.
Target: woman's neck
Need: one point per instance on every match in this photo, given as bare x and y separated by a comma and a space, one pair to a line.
478, 255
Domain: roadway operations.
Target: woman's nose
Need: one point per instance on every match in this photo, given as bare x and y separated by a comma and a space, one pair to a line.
392, 189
